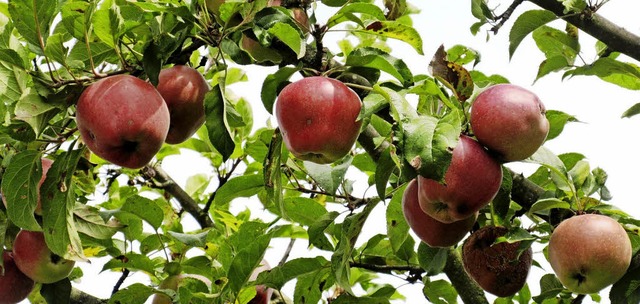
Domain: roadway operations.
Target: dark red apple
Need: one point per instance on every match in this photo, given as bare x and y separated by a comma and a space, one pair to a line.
123, 119
510, 121
470, 183
183, 89
501, 268
263, 293
431, 231
46, 164
15, 286
318, 117
35, 260
589, 252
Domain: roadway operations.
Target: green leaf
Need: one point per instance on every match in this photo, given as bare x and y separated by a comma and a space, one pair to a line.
401, 109
553, 42
219, 134
108, 23
136, 293
377, 59
291, 37
309, 287
551, 64
241, 186
348, 13
12, 83
396, 30
550, 287
316, 231
346, 298
397, 227
191, 239
146, 209
303, 210
278, 276
428, 143
632, 111
548, 204
58, 202
33, 20
20, 188
557, 121
387, 165
58, 292
272, 172
526, 23
440, 291
329, 177
12, 57
432, 259
626, 75
245, 261
56, 50
272, 85
73, 17
133, 261
89, 221
31, 108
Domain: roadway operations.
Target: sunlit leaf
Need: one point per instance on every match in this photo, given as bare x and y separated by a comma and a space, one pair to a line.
526, 23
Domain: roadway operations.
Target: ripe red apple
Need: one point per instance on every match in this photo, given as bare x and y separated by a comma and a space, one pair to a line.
46, 164
589, 252
501, 268
123, 119
35, 260
431, 231
15, 286
470, 183
510, 121
173, 282
263, 293
183, 89
318, 117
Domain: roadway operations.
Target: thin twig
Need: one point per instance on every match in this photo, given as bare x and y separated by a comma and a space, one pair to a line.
505, 15
125, 274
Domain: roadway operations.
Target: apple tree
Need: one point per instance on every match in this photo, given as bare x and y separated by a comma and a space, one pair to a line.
84, 139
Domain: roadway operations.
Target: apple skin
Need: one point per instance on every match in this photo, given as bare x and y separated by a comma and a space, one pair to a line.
510, 121
15, 286
46, 165
318, 117
183, 89
431, 231
496, 268
589, 252
123, 119
35, 260
173, 282
470, 183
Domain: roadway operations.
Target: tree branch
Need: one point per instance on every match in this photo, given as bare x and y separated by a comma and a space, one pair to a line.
80, 297
466, 287
615, 37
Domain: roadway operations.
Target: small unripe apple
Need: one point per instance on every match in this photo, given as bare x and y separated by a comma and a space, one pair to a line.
589, 252
35, 260
183, 89
470, 183
15, 286
123, 119
510, 121
501, 268
46, 165
431, 231
173, 282
318, 117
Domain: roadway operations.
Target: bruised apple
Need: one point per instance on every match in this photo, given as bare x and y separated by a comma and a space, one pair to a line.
183, 89
589, 252
510, 121
46, 164
470, 183
34, 259
318, 117
123, 119
15, 286
432, 232
499, 268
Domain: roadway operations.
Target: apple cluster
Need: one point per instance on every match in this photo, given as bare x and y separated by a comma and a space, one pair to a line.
126, 120
509, 124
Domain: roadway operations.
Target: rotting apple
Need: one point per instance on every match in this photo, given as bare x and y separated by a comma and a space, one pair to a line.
46, 164
318, 117
499, 268
183, 89
263, 293
589, 252
123, 119
15, 286
173, 282
510, 121
431, 231
471, 181
35, 259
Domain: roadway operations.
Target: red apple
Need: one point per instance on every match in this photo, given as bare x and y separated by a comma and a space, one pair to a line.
15, 286
183, 89
318, 117
123, 119
470, 183
499, 268
173, 282
432, 232
510, 121
589, 252
46, 164
35, 260
263, 293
